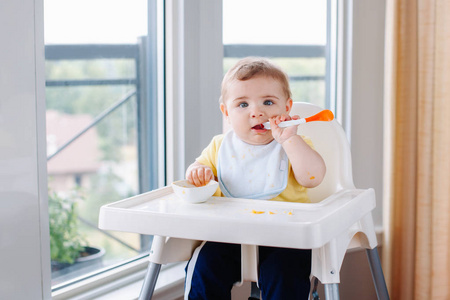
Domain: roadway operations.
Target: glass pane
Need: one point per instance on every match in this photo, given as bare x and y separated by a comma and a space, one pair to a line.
293, 33
92, 95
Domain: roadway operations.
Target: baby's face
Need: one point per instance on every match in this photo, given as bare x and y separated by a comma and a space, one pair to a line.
252, 102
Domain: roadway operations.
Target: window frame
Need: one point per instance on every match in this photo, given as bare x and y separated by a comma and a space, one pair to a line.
194, 55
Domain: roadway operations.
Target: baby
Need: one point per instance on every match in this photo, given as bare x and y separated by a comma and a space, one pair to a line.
250, 161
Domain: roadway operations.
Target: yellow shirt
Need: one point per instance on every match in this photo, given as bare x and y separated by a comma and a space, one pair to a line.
294, 192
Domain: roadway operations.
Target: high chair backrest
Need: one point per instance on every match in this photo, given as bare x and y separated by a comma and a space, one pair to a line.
330, 141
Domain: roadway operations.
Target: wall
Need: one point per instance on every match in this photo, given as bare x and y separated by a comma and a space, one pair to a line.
25, 270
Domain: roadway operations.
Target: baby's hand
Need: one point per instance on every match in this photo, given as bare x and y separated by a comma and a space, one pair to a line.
282, 134
198, 174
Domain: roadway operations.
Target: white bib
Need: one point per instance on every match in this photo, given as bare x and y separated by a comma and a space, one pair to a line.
251, 171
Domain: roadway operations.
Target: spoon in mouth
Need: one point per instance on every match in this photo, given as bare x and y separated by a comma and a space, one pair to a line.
324, 115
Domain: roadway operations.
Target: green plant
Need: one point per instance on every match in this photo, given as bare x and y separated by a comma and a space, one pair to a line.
66, 242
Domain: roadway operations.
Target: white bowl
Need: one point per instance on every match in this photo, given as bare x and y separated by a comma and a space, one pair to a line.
192, 194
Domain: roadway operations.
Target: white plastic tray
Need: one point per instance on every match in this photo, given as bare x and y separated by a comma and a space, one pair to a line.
243, 221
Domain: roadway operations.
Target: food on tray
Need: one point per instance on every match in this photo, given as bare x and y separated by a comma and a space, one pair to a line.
260, 212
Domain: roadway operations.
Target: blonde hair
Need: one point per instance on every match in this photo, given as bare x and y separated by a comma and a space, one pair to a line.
250, 67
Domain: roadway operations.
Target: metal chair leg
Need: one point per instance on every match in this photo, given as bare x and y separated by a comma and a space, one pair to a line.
254, 292
149, 281
331, 291
377, 274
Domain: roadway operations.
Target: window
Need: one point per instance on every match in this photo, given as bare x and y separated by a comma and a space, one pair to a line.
103, 139
294, 34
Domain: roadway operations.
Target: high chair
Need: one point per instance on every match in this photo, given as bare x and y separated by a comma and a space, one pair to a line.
338, 218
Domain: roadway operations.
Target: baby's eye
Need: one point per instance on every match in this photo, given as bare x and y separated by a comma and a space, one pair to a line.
268, 102
243, 104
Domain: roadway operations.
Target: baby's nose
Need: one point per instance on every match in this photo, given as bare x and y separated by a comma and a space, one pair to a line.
257, 113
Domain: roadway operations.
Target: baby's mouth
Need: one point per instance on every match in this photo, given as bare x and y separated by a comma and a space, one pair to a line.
258, 127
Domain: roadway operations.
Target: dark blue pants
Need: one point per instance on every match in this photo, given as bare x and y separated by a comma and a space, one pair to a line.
213, 269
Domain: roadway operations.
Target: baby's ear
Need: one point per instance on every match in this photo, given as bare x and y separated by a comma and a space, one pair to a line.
223, 109
289, 105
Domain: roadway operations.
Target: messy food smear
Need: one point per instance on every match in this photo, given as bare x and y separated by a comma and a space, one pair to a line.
260, 212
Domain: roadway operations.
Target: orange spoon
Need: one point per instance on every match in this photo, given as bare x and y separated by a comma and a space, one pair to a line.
324, 115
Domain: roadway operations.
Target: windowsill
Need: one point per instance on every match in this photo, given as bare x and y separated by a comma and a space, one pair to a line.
125, 283
170, 285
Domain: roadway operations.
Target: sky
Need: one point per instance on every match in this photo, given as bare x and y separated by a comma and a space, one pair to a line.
291, 22
94, 21
244, 21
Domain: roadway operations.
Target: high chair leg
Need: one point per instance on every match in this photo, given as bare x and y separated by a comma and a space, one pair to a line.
150, 281
377, 274
331, 291
254, 291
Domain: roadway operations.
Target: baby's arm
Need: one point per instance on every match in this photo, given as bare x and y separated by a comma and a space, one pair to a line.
308, 166
199, 174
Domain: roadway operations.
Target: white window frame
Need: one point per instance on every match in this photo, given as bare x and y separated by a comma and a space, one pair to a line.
24, 242
194, 55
